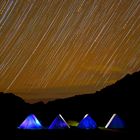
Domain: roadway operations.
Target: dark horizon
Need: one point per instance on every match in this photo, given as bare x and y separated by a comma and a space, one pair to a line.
65, 90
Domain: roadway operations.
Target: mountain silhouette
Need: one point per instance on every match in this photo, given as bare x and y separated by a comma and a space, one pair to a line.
12, 109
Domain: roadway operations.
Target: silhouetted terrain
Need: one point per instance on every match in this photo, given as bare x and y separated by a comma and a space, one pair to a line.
121, 98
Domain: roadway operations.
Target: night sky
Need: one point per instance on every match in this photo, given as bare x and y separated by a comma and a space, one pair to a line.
60, 48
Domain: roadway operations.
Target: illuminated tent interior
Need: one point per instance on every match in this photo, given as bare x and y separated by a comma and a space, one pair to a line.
59, 123
115, 122
73, 123
31, 122
87, 123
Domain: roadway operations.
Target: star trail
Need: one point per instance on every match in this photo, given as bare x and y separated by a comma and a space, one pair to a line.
60, 48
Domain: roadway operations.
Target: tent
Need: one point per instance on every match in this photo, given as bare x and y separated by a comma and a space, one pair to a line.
59, 123
87, 123
115, 122
31, 122
72, 123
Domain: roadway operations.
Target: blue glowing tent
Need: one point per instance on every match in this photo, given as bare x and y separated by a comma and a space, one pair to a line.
31, 122
59, 123
87, 123
115, 122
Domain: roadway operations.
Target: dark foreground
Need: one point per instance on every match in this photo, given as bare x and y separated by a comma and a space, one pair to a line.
71, 134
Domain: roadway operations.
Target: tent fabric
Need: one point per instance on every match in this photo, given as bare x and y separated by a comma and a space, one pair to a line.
31, 122
115, 122
59, 123
87, 123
